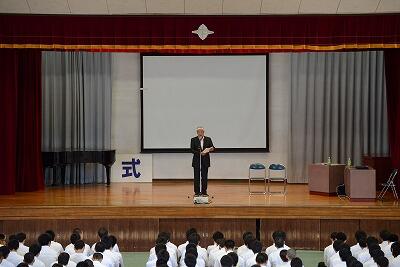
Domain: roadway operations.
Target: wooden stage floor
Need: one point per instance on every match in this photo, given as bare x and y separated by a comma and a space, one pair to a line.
170, 199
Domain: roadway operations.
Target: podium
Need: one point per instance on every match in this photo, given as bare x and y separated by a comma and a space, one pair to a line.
324, 178
360, 184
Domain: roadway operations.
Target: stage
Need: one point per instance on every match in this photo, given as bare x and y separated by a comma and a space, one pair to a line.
143, 209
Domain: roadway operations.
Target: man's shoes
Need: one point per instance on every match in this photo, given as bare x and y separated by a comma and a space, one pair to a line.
204, 194
196, 195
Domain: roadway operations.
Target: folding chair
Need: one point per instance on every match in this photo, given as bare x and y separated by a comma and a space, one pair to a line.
277, 173
257, 172
389, 184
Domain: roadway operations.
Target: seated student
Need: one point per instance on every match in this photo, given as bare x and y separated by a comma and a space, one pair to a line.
388, 249
384, 236
361, 245
117, 258
247, 238
104, 232
217, 235
394, 261
182, 247
226, 261
162, 239
274, 257
192, 249
100, 248
337, 246
329, 251
114, 242
97, 259
275, 235
296, 262
53, 244
75, 236
79, 255
35, 250
14, 257
194, 238
162, 256
3, 240
228, 248
262, 260
214, 252
235, 259
372, 243
64, 260
375, 254
4, 252
89, 262
289, 255
256, 248
170, 246
22, 249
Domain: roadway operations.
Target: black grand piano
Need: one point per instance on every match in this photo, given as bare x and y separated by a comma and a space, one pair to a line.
59, 159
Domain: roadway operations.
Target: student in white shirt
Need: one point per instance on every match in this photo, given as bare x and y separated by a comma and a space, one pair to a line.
53, 244
329, 251
4, 252
117, 258
384, 236
395, 260
388, 249
13, 256
274, 257
361, 245
162, 257
97, 259
215, 251
250, 258
228, 249
287, 256
337, 246
29, 258
162, 239
182, 247
247, 238
79, 254
22, 249
118, 254
64, 260
191, 249
372, 243
75, 236
47, 255
104, 232
217, 235
375, 254
100, 247
202, 252
344, 255
275, 235
35, 250
170, 246
226, 261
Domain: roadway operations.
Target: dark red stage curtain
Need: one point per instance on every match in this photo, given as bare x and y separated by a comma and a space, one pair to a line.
173, 34
20, 117
392, 72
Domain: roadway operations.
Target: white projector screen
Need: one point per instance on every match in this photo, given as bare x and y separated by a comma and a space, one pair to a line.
226, 94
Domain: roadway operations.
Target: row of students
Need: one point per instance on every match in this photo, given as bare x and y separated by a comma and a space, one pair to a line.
47, 252
368, 251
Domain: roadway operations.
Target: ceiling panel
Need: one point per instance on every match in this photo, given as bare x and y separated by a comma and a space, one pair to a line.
88, 6
318, 6
14, 6
49, 6
165, 6
241, 6
127, 6
203, 7
358, 6
389, 6
280, 7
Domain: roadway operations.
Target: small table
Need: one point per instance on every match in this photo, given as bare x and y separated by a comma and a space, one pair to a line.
324, 178
360, 184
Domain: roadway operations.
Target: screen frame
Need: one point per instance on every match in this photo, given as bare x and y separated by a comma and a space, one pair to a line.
266, 149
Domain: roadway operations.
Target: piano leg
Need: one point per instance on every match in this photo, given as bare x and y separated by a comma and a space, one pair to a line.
108, 170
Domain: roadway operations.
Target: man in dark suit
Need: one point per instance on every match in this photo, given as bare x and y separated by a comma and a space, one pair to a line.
201, 147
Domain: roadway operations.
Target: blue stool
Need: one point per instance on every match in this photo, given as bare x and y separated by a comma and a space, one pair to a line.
277, 173
254, 169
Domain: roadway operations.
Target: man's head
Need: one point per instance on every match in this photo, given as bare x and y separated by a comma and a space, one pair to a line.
229, 244
341, 236
217, 235
35, 249
74, 237
13, 244
296, 262
226, 261
393, 238
361, 237
21, 237
113, 240
261, 258
333, 236
107, 241
165, 235
102, 232
194, 238
44, 240
337, 245
255, 246
79, 246
189, 232
235, 258
279, 234
200, 131
279, 242
100, 247
283, 255
4, 250
384, 235
63, 259
51, 234
371, 241
395, 248
29, 258
98, 257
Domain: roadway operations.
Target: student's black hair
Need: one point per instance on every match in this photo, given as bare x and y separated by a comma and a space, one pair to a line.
296, 262
395, 248
2, 236
247, 237
77, 230
161, 240
22, 264
107, 241
371, 240
384, 235
393, 238
5, 251
256, 246
100, 247
74, 237
226, 261
382, 261
44, 239
279, 242
356, 264
350, 260
344, 254
194, 238
190, 260
20, 237
189, 232
102, 232
376, 253
79, 244
166, 235
29, 258
341, 236
221, 242
11, 237
13, 244
113, 240
235, 258
160, 247
97, 256
321, 264
278, 234
360, 235
79, 264
229, 244
333, 235
283, 255
217, 235
35, 249
63, 258
192, 250
337, 244
372, 248
261, 258
89, 263
163, 254
51, 234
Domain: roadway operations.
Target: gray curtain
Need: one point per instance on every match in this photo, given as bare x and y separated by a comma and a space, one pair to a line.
76, 108
337, 109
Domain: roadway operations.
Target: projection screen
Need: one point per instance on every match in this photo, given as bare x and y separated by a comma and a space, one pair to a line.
226, 94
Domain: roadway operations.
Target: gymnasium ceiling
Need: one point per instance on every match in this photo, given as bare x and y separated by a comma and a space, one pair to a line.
199, 7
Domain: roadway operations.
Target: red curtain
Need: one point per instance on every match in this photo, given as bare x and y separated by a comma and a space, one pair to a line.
392, 72
20, 116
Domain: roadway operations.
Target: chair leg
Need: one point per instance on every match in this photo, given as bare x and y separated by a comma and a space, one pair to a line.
394, 192
383, 192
